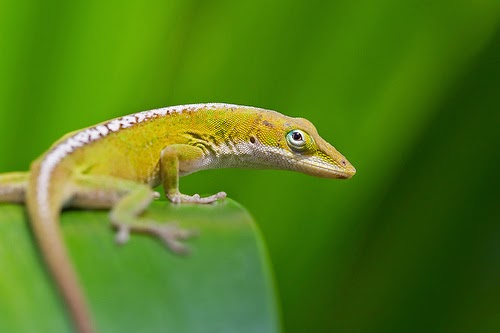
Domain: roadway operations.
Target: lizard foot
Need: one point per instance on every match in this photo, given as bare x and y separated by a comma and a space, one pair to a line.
196, 199
172, 236
169, 233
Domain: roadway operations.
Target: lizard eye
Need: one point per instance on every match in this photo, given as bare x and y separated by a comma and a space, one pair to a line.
296, 140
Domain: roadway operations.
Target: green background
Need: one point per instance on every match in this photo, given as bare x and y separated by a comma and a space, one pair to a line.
409, 91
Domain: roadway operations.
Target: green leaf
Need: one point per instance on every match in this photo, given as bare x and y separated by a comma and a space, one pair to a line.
224, 285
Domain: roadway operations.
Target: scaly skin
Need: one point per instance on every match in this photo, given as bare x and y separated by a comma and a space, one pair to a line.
116, 164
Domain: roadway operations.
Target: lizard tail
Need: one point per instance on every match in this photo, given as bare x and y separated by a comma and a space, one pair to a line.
46, 194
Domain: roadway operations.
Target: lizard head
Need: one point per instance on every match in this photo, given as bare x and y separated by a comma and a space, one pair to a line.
299, 147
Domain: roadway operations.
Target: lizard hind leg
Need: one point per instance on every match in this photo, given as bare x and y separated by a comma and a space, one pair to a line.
127, 201
13, 186
125, 217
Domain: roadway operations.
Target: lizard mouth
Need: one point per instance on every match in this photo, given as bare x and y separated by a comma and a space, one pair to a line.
317, 167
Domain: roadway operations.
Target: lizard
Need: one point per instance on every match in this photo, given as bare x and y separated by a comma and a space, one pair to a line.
117, 164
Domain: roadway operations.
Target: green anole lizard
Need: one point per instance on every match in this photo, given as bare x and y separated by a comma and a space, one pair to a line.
114, 165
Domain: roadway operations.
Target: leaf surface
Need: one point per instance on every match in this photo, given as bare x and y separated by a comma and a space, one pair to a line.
224, 285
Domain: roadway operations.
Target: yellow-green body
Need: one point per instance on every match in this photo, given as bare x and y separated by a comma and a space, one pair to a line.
116, 164
132, 153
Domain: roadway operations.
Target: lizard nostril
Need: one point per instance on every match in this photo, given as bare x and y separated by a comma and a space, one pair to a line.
344, 163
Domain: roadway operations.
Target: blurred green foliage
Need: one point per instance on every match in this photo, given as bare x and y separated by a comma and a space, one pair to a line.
407, 90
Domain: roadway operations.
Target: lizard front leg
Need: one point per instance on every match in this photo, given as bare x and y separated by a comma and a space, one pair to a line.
127, 200
175, 158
